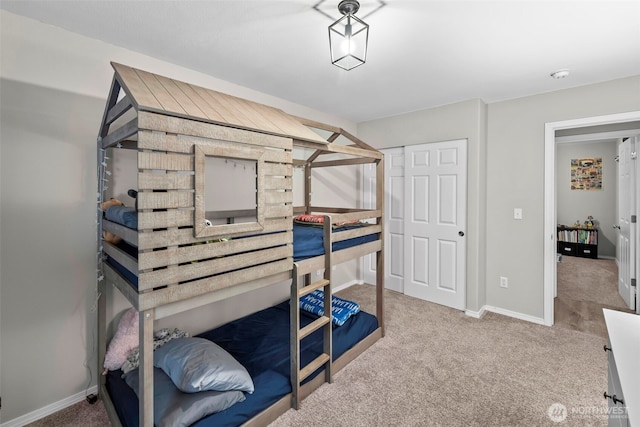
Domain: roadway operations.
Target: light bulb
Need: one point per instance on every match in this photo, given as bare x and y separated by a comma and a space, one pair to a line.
347, 43
348, 46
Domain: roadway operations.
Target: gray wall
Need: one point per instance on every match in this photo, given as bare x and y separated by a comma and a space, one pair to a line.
48, 263
575, 205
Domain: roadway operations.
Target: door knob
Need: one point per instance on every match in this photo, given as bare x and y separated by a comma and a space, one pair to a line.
460, 233
616, 226
614, 398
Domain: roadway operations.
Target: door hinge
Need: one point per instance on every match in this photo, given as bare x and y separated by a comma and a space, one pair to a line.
633, 282
633, 219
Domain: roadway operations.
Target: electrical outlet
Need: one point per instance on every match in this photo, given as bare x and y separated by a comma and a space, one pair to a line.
504, 282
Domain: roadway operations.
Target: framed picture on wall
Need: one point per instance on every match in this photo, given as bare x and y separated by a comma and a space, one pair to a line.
586, 173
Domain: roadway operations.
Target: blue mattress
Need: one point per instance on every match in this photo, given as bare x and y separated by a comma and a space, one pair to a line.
308, 240
260, 342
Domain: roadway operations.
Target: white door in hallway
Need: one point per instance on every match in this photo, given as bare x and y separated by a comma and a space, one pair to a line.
435, 191
626, 228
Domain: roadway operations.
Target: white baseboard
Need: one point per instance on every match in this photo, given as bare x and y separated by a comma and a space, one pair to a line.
479, 314
50, 409
342, 287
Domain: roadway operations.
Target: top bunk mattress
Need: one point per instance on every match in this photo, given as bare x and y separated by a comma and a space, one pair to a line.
308, 240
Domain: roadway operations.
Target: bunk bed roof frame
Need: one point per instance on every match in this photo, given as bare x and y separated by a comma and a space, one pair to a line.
145, 91
153, 93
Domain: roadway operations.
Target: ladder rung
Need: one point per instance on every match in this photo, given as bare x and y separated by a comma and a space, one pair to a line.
311, 367
313, 326
312, 287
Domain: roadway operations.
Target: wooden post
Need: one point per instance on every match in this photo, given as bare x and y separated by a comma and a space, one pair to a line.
328, 264
307, 188
145, 371
294, 310
380, 253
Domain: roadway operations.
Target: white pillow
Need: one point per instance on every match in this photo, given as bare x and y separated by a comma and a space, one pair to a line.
125, 340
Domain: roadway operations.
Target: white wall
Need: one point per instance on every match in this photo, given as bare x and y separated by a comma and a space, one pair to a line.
575, 205
54, 87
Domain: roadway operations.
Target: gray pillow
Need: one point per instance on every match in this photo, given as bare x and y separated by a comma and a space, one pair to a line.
173, 408
197, 364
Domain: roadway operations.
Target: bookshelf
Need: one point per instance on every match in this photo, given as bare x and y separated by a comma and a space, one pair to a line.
578, 241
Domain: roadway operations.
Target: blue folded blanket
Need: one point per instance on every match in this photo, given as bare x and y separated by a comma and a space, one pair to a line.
122, 215
341, 309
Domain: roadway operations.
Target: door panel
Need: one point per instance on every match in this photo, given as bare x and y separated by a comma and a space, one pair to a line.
626, 246
419, 199
447, 266
396, 249
394, 206
420, 251
394, 219
435, 221
447, 206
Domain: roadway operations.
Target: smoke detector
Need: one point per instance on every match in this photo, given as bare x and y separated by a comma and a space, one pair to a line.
560, 74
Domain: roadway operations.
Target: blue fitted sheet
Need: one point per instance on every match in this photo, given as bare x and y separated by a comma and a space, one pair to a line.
308, 240
260, 342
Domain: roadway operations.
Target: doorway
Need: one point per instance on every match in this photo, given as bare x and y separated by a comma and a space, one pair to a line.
587, 271
550, 215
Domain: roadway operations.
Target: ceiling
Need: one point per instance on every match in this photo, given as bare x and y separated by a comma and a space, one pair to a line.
421, 54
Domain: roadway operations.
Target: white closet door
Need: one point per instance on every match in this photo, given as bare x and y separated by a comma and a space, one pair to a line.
394, 208
435, 222
394, 218
626, 229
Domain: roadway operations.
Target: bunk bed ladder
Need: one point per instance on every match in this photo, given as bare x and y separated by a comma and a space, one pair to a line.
298, 373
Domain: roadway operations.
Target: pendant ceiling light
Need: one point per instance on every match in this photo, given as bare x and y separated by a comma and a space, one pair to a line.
348, 37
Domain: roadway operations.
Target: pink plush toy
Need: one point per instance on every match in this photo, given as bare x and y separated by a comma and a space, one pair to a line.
125, 340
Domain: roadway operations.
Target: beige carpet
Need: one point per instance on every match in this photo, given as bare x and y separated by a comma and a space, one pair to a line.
593, 280
438, 367
81, 414
585, 287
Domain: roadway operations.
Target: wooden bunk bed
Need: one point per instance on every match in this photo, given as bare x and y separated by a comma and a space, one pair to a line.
179, 261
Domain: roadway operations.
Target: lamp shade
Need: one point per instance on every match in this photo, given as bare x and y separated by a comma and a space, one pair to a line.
348, 38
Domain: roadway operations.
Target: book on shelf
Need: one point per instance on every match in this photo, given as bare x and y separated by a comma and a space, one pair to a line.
583, 236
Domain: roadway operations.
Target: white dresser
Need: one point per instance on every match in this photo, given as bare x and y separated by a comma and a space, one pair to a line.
623, 391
